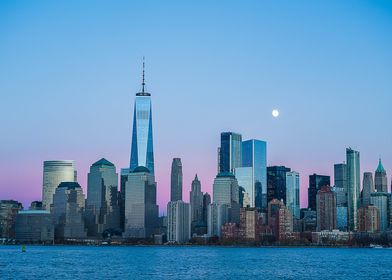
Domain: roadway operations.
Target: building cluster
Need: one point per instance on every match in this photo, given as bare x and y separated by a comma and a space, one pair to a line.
251, 202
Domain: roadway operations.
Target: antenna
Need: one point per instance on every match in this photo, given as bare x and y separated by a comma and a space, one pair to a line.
143, 82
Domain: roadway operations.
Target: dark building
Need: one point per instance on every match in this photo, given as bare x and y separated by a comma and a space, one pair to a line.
206, 202
230, 152
8, 211
123, 180
36, 205
308, 220
176, 180
315, 183
276, 183
34, 226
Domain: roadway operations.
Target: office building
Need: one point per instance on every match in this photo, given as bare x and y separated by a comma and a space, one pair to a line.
252, 175
34, 226
292, 193
380, 178
381, 200
55, 172
217, 215
141, 210
68, 211
368, 219
102, 209
176, 180
315, 183
353, 188
8, 211
178, 222
142, 151
196, 203
230, 156
326, 209
206, 202
367, 187
276, 183
225, 191
340, 179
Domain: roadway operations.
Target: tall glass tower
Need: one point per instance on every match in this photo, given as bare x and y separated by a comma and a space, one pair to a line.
230, 152
142, 153
353, 186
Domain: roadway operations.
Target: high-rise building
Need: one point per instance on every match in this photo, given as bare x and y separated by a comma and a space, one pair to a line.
382, 201
230, 152
380, 178
176, 180
196, 202
315, 183
36, 205
68, 211
341, 218
178, 222
249, 224
34, 226
141, 210
340, 179
252, 175
206, 202
217, 215
368, 219
276, 183
353, 188
8, 211
102, 209
280, 219
55, 172
225, 191
326, 209
142, 152
367, 187
292, 193
123, 180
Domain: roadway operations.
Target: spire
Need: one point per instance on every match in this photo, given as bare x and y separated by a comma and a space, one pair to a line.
143, 92
196, 179
380, 167
143, 82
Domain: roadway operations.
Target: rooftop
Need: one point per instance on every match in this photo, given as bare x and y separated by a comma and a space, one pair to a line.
103, 161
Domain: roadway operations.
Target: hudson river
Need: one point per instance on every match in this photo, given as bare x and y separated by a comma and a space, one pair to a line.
77, 262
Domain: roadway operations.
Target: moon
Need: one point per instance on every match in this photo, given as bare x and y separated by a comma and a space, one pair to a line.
275, 113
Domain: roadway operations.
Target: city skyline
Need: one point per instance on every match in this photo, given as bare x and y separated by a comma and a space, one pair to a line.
54, 131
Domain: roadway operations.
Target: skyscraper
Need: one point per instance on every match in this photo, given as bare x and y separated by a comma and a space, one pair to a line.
292, 193
368, 219
142, 152
8, 211
178, 222
225, 191
102, 209
206, 203
353, 187
326, 209
230, 152
367, 187
380, 178
141, 210
176, 180
196, 202
55, 172
381, 200
252, 175
68, 211
315, 183
340, 178
276, 183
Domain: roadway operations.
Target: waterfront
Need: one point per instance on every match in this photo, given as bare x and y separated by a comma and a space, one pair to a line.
162, 262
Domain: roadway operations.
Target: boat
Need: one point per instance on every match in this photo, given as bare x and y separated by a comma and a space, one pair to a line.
23, 249
375, 246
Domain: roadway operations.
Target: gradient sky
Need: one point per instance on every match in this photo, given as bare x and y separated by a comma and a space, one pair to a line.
69, 72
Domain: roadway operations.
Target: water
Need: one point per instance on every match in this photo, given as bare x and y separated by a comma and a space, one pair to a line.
78, 262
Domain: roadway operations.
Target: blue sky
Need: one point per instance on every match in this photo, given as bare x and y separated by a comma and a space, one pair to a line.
69, 71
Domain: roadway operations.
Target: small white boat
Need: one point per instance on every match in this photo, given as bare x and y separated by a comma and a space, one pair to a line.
375, 246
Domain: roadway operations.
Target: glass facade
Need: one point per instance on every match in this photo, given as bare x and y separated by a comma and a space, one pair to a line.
315, 183
340, 178
292, 193
142, 153
230, 152
276, 183
353, 187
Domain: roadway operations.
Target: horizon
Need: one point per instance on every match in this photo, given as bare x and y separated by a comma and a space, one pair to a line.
323, 66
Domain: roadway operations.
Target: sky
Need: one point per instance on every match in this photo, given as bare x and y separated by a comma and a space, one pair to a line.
69, 71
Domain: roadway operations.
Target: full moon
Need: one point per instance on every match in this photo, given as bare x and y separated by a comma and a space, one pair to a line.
275, 113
